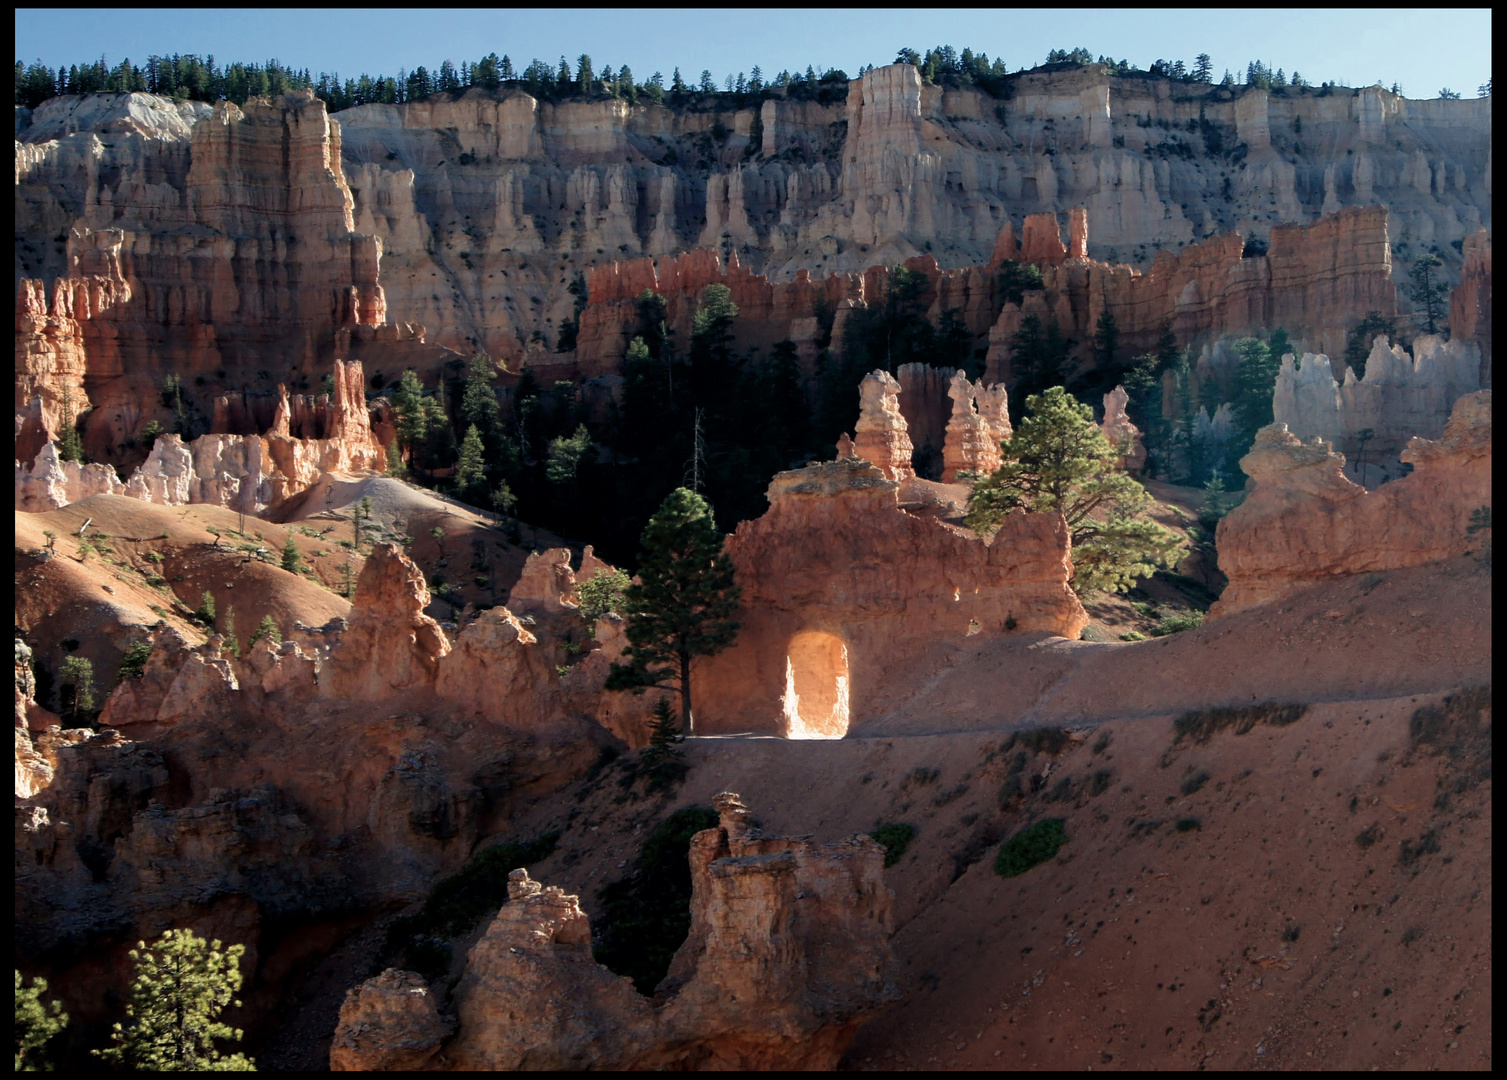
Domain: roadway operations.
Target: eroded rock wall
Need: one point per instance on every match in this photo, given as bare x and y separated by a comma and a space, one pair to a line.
840, 586
484, 206
220, 251
787, 955
1305, 522
1400, 396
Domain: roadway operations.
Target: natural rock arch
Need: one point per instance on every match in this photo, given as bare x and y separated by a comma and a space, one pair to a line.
816, 686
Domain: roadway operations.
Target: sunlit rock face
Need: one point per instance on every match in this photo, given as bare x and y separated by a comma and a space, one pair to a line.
243, 246
788, 954
1305, 522
841, 587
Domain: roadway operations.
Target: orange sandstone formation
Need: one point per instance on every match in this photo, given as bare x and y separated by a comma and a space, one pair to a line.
975, 430
1305, 522
839, 584
233, 255
254, 473
1119, 430
881, 435
787, 955
1470, 303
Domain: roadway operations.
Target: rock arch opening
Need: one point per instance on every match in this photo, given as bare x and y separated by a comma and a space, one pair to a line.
816, 686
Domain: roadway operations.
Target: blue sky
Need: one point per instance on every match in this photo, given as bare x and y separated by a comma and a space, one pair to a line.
1423, 50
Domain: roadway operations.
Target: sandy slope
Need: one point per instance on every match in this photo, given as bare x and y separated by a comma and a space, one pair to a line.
1263, 934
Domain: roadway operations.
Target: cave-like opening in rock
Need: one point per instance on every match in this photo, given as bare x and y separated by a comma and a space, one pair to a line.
816, 686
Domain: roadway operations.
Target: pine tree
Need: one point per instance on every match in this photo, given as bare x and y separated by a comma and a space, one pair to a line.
70, 444
470, 475
1255, 380
683, 603
1430, 297
77, 674
133, 661
267, 628
227, 629
36, 1025
181, 985
412, 418
1060, 461
662, 756
395, 466
1106, 340
292, 560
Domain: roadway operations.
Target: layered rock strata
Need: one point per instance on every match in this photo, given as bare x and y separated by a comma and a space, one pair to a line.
882, 436
1305, 522
1400, 396
1125, 436
840, 584
482, 206
1315, 281
787, 955
979, 423
363, 760
225, 256
1470, 303
253, 473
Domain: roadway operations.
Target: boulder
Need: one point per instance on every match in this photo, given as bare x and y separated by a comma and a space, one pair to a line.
387, 1024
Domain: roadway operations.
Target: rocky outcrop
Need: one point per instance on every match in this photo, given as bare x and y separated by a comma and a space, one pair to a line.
50, 482
840, 585
218, 256
390, 645
1470, 303
481, 208
1316, 281
1400, 396
787, 955
881, 435
1123, 434
33, 771
254, 473
388, 1024
979, 423
1305, 522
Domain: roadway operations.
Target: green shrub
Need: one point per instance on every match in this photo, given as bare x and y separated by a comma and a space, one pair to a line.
133, 662
602, 595
1046, 740
267, 628
1132, 635
1427, 844
1030, 847
1195, 782
37, 1024
1099, 783
647, 915
1201, 725
1176, 624
1061, 790
1188, 824
1368, 836
894, 838
1460, 727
